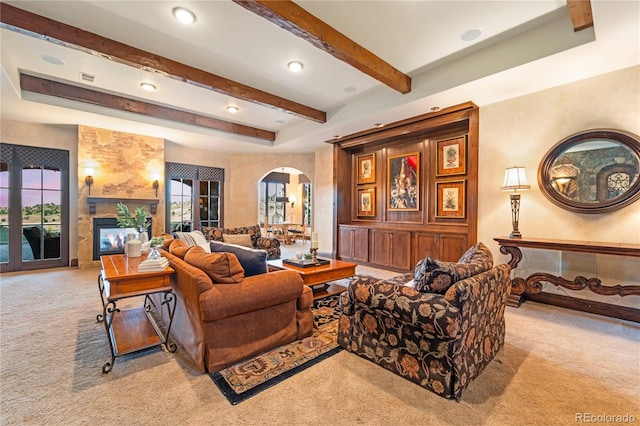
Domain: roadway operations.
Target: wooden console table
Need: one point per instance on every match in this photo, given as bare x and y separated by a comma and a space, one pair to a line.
531, 286
134, 329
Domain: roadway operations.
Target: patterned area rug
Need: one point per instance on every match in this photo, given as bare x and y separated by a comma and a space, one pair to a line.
250, 377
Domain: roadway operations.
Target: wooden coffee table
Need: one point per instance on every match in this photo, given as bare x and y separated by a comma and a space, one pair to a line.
317, 277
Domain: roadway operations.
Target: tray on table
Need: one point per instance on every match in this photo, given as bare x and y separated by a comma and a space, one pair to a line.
305, 263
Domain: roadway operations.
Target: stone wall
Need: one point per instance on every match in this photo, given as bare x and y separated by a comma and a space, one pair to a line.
124, 167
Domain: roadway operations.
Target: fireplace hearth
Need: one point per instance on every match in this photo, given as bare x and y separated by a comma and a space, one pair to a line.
109, 238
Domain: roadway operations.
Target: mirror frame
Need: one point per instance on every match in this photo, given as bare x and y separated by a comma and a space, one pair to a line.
627, 139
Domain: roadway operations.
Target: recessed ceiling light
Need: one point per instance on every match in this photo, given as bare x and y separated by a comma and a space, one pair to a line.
295, 66
350, 89
471, 34
232, 109
148, 87
280, 121
378, 125
53, 60
184, 15
435, 108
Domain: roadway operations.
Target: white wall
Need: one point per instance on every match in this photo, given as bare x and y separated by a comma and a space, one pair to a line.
244, 176
519, 132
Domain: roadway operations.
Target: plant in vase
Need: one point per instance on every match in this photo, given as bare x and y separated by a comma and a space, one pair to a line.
137, 220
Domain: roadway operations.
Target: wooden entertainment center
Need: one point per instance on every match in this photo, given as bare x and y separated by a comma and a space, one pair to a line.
408, 189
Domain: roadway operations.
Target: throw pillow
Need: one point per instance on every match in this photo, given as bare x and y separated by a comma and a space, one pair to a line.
478, 254
223, 268
194, 238
239, 239
434, 276
178, 248
253, 261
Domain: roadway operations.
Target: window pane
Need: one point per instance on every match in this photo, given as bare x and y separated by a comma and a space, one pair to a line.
4, 175
32, 178
4, 218
31, 207
215, 189
52, 179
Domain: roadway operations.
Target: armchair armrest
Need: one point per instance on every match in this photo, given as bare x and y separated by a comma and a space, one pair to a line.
428, 312
266, 243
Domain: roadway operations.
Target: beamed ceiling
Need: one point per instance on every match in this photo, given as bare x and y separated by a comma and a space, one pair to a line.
365, 62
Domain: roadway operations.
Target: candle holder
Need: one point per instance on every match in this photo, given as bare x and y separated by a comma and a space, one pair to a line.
314, 252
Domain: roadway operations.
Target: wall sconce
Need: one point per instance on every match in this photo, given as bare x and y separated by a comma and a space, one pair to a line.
293, 200
156, 182
515, 179
88, 180
563, 178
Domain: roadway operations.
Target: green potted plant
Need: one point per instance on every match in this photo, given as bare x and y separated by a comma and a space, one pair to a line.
137, 220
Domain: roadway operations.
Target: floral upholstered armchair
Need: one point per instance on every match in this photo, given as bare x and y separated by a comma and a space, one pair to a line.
254, 240
440, 338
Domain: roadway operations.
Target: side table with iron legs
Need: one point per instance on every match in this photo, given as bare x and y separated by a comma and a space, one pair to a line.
133, 329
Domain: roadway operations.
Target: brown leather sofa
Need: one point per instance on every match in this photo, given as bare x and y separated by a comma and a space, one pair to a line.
218, 324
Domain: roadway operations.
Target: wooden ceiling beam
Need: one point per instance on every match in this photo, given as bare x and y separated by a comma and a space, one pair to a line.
296, 20
580, 14
28, 23
66, 91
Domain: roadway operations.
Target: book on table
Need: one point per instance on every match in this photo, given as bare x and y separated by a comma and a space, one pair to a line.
153, 265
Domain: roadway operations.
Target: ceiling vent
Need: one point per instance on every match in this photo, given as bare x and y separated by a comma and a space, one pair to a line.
87, 77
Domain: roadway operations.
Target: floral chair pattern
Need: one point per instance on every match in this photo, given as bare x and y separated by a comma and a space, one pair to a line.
271, 245
439, 341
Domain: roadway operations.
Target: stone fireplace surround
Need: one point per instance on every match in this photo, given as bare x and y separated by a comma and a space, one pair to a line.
124, 167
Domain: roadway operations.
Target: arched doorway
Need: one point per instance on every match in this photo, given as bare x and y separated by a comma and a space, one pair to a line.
285, 199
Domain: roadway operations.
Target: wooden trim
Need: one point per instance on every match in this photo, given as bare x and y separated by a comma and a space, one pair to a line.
615, 249
583, 305
66, 91
293, 18
580, 14
43, 28
410, 126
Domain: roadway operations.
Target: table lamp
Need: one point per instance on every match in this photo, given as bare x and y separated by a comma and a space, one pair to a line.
515, 179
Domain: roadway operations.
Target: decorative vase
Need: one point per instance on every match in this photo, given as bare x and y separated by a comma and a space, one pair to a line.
134, 248
143, 236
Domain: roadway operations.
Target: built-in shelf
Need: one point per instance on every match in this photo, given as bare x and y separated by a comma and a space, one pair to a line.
93, 201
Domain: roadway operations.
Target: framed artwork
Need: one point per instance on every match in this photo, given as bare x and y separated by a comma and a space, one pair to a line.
450, 199
403, 184
366, 168
366, 202
452, 156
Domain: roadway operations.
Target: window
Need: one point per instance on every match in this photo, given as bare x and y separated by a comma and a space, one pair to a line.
189, 184
34, 208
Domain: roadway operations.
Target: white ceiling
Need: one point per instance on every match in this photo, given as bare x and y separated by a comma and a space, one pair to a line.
525, 46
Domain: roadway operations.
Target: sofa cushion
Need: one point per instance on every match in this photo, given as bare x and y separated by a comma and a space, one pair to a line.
223, 268
239, 239
480, 255
178, 248
253, 261
436, 276
194, 238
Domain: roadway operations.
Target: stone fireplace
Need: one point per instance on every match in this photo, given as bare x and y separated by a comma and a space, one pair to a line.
109, 238
124, 168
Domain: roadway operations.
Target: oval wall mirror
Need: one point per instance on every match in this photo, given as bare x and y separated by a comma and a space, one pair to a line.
594, 171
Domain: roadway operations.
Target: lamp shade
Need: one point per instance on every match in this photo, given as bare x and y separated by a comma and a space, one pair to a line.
514, 179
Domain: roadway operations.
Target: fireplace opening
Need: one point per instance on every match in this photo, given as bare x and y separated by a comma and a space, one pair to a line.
109, 238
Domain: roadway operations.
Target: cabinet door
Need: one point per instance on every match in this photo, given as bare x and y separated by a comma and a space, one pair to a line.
360, 244
452, 246
400, 249
380, 247
345, 237
426, 245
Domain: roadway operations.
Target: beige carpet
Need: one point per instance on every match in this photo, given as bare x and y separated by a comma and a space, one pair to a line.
556, 364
